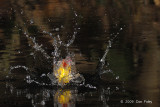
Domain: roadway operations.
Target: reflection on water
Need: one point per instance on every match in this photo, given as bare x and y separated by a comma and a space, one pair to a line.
64, 98
118, 40
69, 97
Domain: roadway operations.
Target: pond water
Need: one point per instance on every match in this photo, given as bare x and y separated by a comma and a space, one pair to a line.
114, 47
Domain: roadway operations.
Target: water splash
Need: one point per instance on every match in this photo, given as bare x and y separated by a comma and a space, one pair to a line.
72, 76
64, 70
19, 66
109, 45
101, 65
35, 45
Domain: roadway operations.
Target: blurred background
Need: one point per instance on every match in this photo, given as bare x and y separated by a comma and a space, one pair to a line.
30, 28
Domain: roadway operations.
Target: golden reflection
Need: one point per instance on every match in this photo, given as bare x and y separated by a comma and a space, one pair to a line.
64, 98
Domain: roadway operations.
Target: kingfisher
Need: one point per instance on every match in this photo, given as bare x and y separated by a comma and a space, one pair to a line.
63, 71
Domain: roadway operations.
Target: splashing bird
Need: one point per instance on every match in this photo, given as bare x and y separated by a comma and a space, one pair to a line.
63, 72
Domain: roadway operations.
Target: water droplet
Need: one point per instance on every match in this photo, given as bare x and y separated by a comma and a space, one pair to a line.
117, 77
110, 43
22, 12
31, 21
28, 77
29, 96
43, 102
62, 26
76, 14
117, 88
43, 75
25, 32
57, 29
44, 31
50, 34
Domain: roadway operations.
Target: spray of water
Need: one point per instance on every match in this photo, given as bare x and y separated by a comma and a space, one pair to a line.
102, 61
62, 73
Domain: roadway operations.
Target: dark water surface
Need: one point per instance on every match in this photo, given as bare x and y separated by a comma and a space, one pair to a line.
120, 39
